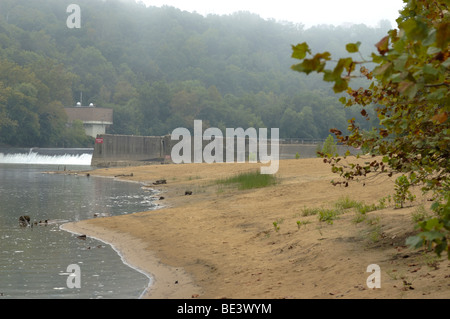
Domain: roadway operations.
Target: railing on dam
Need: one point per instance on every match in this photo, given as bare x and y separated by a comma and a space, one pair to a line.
307, 141
121, 150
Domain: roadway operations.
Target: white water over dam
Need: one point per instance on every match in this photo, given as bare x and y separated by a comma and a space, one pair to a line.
47, 156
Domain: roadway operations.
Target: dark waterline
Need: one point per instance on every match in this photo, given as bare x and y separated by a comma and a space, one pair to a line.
34, 260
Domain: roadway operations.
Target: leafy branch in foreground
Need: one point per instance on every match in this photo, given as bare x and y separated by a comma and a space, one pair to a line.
410, 91
434, 231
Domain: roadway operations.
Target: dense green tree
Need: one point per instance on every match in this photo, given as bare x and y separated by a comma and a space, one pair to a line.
52, 120
75, 136
160, 68
56, 78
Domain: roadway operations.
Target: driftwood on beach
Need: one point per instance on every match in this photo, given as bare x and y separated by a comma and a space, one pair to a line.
124, 175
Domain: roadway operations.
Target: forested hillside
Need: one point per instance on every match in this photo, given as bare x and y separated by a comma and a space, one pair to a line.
161, 68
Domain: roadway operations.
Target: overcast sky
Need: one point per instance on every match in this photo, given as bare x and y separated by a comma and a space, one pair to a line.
307, 12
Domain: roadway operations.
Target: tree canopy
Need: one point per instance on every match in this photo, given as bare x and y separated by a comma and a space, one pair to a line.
159, 68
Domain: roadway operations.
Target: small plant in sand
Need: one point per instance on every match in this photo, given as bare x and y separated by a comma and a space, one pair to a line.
431, 261
306, 211
362, 209
375, 233
329, 147
382, 203
360, 206
365, 208
346, 203
359, 218
402, 193
300, 223
329, 215
276, 224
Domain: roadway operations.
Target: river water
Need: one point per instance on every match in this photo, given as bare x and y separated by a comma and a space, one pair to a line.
35, 260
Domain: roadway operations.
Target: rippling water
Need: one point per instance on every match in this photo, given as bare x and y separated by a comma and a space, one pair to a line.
34, 260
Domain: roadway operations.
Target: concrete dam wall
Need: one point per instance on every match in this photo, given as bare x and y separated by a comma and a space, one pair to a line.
125, 150
122, 150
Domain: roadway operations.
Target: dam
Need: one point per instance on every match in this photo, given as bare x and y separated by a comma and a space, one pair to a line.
128, 150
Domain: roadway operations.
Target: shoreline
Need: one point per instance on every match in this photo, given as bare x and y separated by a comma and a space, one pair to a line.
165, 282
161, 277
73, 230
221, 243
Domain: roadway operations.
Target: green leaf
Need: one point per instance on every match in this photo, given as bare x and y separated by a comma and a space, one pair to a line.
433, 50
446, 63
412, 177
430, 39
299, 68
401, 62
414, 242
325, 56
309, 65
442, 35
329, 76
432, 235
376, 58
315, 64
414, 29
435, 206
408, 88
382, 69
433, 224
340, 85
343, 63
429, 69
441, 247
300, 50
353, 47
438, 94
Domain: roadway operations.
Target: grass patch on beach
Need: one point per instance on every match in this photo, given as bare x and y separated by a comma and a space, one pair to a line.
249, 180
329, 215
307, 211
346, 203
341, 206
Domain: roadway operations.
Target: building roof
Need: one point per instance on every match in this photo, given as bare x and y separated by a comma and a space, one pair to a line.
90, 114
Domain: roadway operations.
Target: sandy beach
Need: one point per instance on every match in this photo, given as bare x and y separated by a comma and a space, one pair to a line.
221, 242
